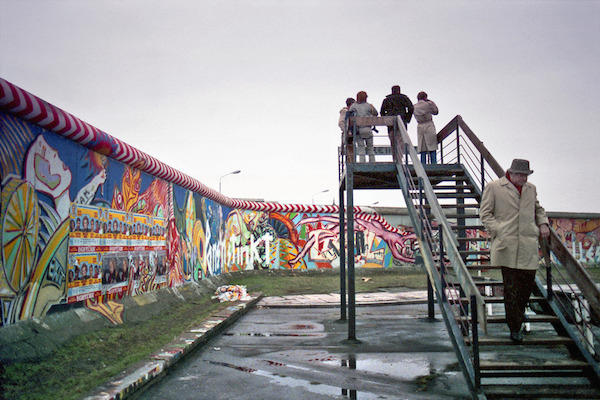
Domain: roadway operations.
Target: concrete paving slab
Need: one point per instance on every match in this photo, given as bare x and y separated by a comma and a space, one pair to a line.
333, 299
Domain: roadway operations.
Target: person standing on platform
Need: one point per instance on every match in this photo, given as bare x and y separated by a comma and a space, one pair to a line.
426, 134
346, 130
364, 140
342, 123
515, 220
397, 104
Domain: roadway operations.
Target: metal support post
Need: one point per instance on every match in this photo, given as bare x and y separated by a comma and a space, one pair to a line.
475, 334
342, 256
350, 241
482, 173
421, 212
441, 262
430, 300
458, 145
546, 255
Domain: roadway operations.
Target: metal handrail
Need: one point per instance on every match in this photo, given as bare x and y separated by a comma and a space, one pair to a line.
459, 294
458, 133
576, 298
450, 240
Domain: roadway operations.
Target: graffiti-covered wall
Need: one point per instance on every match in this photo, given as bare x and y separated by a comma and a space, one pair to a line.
581, 235
87, 219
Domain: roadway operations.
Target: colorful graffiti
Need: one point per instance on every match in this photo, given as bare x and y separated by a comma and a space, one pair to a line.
581, 236
88, 219
71, 221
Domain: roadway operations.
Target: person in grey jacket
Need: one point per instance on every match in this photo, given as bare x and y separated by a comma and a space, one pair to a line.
364, 140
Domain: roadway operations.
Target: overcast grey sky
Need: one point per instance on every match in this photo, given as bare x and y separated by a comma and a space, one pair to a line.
210, 87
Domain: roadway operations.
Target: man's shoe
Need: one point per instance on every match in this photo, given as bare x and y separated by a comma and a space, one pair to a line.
516, 337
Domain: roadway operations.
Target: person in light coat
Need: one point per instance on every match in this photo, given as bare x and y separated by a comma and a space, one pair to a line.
514, 219
364, 140
342, 122
426, 134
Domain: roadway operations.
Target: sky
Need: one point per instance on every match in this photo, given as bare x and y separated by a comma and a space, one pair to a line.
211, 87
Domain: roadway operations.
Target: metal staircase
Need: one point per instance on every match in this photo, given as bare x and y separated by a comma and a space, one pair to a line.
560, 352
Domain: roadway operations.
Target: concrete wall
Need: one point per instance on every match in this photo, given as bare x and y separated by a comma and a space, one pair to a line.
87, 220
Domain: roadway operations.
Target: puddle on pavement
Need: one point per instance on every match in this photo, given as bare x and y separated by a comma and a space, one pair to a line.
401, 366
297, 329
310, 386
406, 369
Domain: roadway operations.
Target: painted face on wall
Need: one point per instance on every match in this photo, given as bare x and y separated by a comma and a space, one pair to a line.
45, 170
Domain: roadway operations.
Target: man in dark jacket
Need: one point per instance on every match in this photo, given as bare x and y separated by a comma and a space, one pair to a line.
397, 104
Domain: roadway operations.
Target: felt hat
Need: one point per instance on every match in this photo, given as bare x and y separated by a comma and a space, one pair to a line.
520, 166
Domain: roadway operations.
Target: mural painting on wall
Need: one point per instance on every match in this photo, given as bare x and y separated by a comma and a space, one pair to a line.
69, 230
246, 239
262, 240
42, 176
35, 222
581, 237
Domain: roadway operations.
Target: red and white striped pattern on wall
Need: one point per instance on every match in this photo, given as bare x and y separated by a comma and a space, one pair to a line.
22, 104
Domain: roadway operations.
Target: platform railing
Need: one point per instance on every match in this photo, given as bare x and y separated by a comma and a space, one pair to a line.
348, 152
460, 145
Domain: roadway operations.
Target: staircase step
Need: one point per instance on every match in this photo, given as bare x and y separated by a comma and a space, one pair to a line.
546, 391
440, 178
474, 252
527, 341
457, 216
473, 239
460, 227
537, 318
451, 206
505, 365
452, 187
480, 259
500, 299
533, 374
487, 283
478, 267
501, 319
457, 195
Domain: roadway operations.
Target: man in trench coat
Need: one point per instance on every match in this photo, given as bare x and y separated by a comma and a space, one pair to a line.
515, 220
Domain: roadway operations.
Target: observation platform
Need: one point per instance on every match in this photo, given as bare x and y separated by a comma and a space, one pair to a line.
384, 175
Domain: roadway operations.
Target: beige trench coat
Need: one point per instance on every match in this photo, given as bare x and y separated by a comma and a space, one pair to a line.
426, 135
513, 223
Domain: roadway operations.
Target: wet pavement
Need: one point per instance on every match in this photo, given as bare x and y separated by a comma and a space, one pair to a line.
296, 347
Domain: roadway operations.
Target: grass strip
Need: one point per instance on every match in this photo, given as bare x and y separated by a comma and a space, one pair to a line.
91, 359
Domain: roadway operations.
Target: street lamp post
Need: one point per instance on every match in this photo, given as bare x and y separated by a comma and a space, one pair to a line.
322, 191
231, 173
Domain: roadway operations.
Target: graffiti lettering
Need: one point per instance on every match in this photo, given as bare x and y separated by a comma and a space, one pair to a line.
56, 273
